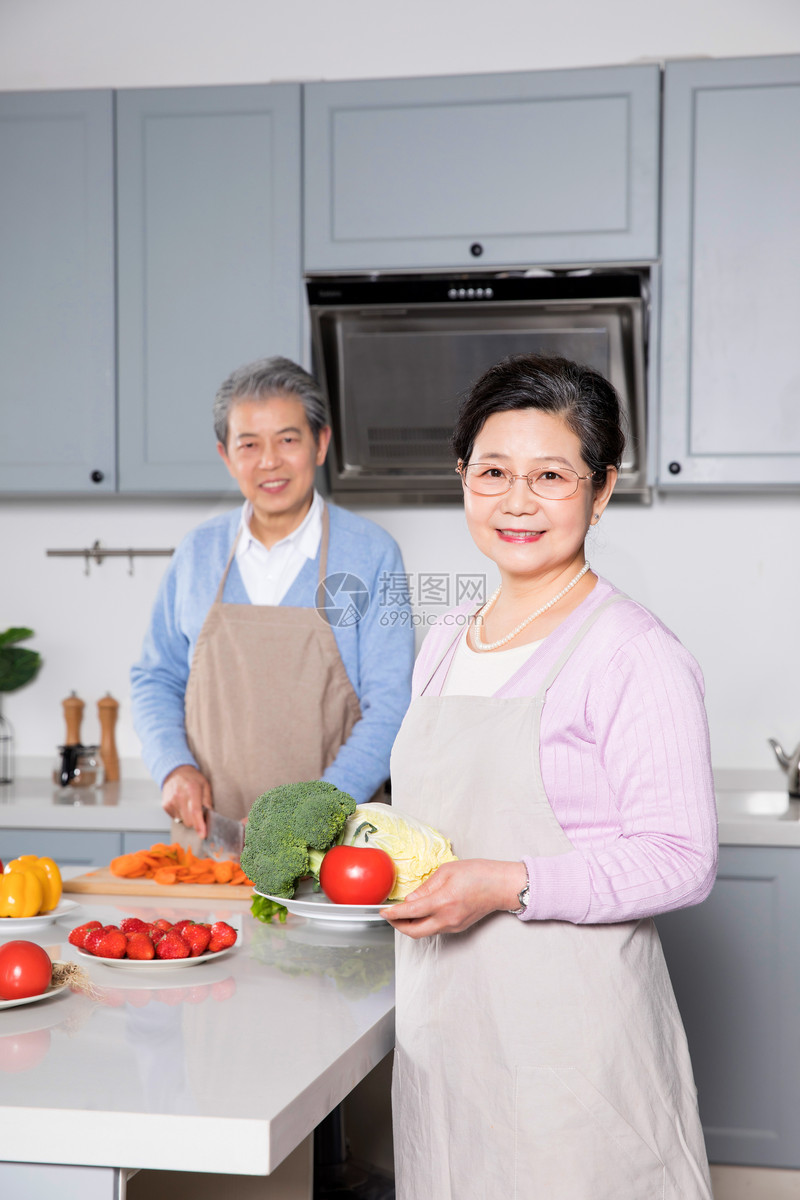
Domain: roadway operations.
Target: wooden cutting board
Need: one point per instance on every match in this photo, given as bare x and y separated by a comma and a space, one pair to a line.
103, 882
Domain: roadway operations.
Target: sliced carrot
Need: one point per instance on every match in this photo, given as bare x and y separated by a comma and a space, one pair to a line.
164, 875
173, 864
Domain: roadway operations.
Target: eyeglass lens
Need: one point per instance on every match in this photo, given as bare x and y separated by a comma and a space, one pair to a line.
549, 483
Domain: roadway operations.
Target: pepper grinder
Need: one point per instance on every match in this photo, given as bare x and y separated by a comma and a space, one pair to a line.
107, 709
73, 715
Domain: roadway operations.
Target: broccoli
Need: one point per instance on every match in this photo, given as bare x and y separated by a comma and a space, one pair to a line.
288, 831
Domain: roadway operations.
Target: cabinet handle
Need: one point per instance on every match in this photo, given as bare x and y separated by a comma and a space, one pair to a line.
97, 476
476, 249
674, 468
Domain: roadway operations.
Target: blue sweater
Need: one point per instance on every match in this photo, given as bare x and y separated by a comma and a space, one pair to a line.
377, 650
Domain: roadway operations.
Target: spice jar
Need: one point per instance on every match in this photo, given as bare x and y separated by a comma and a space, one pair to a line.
79, 767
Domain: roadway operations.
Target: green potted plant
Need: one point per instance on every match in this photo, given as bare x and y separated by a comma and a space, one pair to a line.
17, 667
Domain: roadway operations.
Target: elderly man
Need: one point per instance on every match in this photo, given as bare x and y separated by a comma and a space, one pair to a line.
275, 652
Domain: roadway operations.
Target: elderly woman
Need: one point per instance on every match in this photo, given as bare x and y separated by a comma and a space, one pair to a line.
558, 737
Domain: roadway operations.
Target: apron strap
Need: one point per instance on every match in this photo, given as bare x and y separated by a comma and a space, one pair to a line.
323, 544
221, 588
323, 554
575, 641
432, 671
554, 671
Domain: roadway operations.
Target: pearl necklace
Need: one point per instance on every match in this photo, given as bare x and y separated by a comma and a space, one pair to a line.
476, 633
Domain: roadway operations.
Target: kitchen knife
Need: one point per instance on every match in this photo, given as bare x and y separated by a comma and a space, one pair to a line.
224, 837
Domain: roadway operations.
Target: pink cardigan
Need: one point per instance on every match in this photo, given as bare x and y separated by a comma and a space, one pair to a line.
625, 761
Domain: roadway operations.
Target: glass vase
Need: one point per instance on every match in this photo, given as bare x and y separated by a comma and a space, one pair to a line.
6, 748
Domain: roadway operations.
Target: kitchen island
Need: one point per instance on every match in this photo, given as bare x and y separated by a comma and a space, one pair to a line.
223, 1068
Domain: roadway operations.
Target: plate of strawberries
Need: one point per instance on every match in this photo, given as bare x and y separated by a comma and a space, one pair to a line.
154, 944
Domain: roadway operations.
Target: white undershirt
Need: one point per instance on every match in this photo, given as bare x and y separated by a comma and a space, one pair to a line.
477, 673
267, 574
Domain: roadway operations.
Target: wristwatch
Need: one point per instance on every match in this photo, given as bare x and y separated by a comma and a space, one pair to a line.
524, 899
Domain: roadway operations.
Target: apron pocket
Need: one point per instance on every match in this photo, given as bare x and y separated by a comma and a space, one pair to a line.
572, 1144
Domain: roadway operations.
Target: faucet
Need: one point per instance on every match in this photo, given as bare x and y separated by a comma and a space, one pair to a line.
790, 764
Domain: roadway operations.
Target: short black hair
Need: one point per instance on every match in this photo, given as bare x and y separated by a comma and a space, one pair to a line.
586, 400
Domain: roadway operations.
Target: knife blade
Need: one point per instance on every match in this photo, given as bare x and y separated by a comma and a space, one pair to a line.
224, 837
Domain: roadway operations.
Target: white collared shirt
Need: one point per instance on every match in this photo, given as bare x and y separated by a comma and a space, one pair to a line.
266, 574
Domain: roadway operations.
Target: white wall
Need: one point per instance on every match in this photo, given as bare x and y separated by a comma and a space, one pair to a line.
721, 571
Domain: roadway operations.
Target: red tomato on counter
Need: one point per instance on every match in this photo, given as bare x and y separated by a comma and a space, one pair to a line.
25, 970
356, 875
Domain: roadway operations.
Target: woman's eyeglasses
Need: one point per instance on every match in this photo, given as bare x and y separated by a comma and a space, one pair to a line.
550, 483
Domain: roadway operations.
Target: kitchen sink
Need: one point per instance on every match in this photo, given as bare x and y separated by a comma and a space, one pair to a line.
742, 805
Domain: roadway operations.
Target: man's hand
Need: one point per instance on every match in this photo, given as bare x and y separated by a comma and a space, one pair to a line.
458, 895
183, 794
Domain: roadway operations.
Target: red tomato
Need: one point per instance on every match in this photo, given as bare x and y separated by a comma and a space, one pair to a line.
356, 875
25, 970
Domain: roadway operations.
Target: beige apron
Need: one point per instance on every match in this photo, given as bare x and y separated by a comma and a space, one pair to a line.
535, 1060
268, 699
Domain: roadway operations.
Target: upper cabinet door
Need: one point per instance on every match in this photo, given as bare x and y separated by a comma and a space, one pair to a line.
730, 381
56, 292
209, 269
479, 170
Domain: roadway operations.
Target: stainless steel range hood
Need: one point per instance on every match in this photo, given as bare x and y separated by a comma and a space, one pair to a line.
395, 355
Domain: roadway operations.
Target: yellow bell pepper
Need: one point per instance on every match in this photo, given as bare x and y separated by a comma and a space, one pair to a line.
48, 874
53, 893
21, 893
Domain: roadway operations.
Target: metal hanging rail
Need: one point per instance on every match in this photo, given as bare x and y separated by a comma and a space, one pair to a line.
98, 553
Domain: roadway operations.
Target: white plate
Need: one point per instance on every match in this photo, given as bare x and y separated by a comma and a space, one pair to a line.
11, 925
307, 903
51, 991
158, 964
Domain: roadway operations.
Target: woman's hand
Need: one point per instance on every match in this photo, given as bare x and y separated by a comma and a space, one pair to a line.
183, 794
458, 895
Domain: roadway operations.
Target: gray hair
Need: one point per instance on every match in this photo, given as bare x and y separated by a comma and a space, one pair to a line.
270, 377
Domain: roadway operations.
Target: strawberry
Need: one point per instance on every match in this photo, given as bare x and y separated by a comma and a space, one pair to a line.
91, 940
181, 925
172, 945
156, 933
140, 946
197, 937
222, 936
133, 925
162, 923
111, 943
78, 935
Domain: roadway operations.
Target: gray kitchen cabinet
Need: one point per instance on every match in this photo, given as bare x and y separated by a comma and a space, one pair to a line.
525, 168
735, 967
57, 315
109, 369
730, 385
209, 270
77, 847
73, 847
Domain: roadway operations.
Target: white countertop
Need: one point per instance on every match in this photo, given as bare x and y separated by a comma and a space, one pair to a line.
753, 807
224, 1066
126, 806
